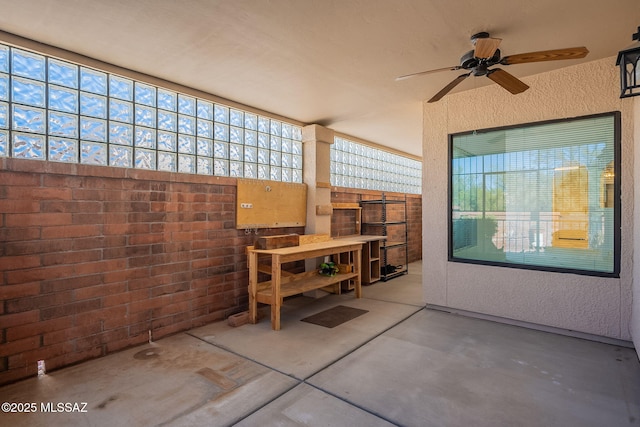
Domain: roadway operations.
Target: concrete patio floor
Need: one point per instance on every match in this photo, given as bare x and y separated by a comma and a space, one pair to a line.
397, 364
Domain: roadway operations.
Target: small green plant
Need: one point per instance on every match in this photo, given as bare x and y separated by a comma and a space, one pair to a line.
328, 269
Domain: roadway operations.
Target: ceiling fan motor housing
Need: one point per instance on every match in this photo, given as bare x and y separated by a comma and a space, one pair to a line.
468, 61
480, 35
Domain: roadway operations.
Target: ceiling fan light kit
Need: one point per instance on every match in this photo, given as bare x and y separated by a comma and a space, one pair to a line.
486, 54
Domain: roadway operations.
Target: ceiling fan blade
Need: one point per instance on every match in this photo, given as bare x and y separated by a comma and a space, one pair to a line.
445, 90
545, 55
507, 81
486, 47
421, 73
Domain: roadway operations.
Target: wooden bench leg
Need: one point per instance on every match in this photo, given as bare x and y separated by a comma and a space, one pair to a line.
357, 262
253, 287
276, 301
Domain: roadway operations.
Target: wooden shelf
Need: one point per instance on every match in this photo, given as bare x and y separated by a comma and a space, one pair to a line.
380, 224
371, 259
346, 206
302, 283
392, 244
351, 206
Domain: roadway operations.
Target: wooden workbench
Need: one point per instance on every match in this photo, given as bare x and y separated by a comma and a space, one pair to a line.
284, 284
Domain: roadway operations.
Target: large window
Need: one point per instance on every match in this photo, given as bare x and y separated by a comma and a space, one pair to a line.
59, 111
357, 165
540, 196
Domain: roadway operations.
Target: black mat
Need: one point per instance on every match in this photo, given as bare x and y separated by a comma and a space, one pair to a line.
334, 316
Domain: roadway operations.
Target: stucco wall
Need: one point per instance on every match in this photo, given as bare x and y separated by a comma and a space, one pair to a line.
593, 305
635, 316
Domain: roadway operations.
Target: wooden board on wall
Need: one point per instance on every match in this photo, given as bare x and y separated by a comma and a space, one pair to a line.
270, 204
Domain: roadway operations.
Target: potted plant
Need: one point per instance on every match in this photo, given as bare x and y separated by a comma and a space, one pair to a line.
329, 269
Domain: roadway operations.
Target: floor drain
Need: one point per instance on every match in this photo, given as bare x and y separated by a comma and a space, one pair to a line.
147, 353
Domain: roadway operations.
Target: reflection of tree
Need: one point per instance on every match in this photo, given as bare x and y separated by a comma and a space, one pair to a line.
479, 192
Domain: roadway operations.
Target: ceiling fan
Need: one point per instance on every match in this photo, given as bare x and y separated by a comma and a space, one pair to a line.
486, 54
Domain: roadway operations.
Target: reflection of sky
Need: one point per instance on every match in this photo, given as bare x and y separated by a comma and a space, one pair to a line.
544, 159
83, 110
510, 180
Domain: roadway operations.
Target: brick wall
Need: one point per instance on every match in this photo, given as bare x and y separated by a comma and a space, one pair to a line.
414, 220
93, 258
342, 221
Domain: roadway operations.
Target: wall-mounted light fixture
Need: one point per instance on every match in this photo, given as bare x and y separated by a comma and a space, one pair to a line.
629, 62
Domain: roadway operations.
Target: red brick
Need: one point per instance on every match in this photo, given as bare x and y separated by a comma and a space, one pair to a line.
98, 242
117, 228
34, 275
71, 257
19, 233
170, 268
86, 343
99, 291
120, 299
169, 289
147, 304
15, 319
19, 179
173, 326
71, 231
80, 356
69, 309
181, 297
125, 343
48, 354
19, 206
146, 217
141, 328
31, 329
148, 282
19, 291
151, 260
115, 317
20, 346
146, 239
99, 266
126, 274
93, 194
19, 262
61, 181
100, 176
38, 302
37, 247
72, 206
88, 218
37, 219
115, 218
38, 193
66, 283
170, 309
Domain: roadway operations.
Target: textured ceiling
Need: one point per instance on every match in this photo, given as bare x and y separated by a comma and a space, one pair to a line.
331, 62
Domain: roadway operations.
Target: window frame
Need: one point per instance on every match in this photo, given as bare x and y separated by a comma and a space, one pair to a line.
617, 203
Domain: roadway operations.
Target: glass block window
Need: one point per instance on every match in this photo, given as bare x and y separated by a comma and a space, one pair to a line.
58, 111
355, 165
540, 196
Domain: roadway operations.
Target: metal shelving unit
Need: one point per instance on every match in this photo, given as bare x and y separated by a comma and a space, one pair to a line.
379, 218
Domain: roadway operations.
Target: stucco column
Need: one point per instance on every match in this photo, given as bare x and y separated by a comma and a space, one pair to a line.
316, 174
